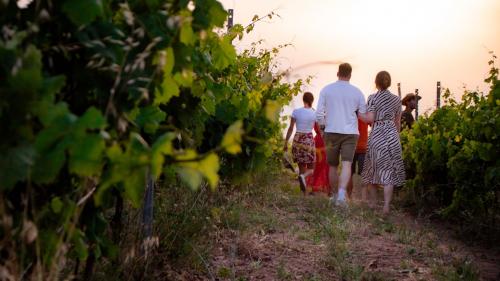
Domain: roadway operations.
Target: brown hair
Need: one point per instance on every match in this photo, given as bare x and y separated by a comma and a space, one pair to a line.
308, 98
345, 70
383, 80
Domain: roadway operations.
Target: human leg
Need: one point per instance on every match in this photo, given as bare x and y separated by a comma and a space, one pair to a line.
332, 149
305, 170
333, 177
308, 169
347, 149
388, 189
372, 195
301, 177
350, 183
360, 157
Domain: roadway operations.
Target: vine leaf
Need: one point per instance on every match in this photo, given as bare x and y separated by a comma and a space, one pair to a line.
86, 155
223, 53
169, 87
193, 172
82, 12
15, 164
149, 118
163, 146
232, 138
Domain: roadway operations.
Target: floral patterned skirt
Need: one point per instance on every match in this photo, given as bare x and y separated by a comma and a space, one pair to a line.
303, 149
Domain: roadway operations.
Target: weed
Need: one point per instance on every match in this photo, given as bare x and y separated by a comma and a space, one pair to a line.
461, 269
411, 251
225, 272
283, 273
404, 235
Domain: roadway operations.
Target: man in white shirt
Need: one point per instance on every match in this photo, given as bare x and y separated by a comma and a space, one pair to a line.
338, 105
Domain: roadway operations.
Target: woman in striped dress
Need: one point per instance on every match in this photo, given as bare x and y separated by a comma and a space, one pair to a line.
384, 161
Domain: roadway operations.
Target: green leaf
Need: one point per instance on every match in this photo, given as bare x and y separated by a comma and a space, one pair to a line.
187, 35
82, 12
48, 165
169, 62
153, 4
162, 146
273, 109
192, 172
184, 78
28, 79
114, 153
209, 167
51, 112
15, 165
191, 176
150, 118
249, 28
223, 53
169, 87
91, 119
208, 104
169, 90
135, 183
80, 245
56, 204
254, 100
86, 155
232, 138
217, 14
52, 86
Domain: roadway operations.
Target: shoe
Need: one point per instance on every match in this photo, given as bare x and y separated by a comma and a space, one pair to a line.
341, 203
341, 199
302, 182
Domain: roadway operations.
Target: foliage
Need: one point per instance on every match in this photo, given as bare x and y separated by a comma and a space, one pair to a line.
97, 96
452, 156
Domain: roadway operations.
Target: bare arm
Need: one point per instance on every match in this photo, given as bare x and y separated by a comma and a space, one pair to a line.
397, 121
289, 133
320, 112
368, 117
366, 112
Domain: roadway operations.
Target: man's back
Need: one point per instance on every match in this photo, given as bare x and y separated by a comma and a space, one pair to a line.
338, 103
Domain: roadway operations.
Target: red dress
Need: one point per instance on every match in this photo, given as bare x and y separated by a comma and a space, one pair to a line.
318, 181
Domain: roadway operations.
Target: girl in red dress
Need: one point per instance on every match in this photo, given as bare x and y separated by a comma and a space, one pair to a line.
318, 181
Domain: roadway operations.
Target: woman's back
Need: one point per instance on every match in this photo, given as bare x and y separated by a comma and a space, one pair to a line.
304, 119
385, 105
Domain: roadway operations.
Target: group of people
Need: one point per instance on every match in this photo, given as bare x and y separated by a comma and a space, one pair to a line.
328, 160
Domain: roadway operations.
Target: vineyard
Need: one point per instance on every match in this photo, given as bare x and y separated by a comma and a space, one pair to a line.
452, 157
133, 132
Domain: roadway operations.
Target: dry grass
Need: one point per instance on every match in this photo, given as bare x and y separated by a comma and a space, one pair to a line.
268, 231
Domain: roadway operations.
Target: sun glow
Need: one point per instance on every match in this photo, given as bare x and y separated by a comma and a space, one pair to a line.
418, 42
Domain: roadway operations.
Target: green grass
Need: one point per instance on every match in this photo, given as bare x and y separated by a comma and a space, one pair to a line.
460, 269
282, 272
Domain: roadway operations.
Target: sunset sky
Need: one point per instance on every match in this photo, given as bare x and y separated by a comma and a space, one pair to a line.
418, 42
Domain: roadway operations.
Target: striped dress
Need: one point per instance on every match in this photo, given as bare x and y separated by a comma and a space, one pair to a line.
384, 161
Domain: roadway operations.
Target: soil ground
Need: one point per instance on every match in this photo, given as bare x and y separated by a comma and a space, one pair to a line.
283, 235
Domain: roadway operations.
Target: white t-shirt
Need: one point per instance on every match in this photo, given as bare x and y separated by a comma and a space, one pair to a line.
304, 118
337, 105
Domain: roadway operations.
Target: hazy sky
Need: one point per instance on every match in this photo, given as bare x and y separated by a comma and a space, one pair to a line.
418, 42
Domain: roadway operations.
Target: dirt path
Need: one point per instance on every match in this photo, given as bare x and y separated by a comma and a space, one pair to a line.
285, 236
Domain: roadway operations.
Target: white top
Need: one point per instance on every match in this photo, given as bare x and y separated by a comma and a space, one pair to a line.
304, 118
337, 105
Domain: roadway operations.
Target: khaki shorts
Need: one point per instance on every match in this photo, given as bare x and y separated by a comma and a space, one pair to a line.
340, 145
